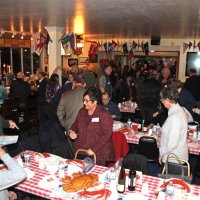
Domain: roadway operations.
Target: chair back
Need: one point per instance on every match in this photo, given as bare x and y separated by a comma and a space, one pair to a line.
176, 168
10, 109
197, 167
81, 154
120, 144
138, 161
148, 148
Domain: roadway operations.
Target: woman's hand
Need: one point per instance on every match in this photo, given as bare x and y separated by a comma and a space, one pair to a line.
160, 160
13, 125
12, 195
72, 135
90, 152
2, 151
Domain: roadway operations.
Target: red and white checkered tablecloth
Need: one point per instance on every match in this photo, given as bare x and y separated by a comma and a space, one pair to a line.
31, 185
193, 146
128, 109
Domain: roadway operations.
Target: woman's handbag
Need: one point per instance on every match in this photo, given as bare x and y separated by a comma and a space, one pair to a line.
176, 169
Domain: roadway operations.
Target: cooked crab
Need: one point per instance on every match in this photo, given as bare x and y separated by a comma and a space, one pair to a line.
79, 182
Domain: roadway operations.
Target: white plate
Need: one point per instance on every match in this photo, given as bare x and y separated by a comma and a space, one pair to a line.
49, 182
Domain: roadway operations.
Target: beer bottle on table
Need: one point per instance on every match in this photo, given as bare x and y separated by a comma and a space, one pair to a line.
131, 180
121, 181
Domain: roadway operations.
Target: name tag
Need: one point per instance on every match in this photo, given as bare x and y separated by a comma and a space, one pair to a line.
95, 119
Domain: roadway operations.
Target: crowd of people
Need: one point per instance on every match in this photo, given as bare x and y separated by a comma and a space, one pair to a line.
79, 112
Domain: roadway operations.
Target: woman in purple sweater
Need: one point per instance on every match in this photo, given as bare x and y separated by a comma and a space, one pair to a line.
92, 129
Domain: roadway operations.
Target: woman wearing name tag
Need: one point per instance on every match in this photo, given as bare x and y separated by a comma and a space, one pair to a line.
92, 129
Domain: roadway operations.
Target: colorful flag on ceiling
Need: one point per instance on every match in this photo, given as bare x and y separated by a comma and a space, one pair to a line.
185, 46
39, 41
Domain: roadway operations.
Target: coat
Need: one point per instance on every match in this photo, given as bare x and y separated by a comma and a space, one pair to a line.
69, 106
95, 133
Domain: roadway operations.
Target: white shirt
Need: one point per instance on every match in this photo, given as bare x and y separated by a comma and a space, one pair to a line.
174, 134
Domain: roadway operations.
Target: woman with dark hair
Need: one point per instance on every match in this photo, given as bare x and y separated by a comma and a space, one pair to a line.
92, 129
127, 89
174, 129
52, 87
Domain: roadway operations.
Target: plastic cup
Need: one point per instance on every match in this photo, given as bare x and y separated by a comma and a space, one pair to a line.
135, 127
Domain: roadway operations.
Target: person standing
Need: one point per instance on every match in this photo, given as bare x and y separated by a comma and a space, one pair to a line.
92, 129
174, 130
41, 95
104, 82
20, 89
71, 103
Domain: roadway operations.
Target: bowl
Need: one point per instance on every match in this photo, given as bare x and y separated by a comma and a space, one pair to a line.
52, 169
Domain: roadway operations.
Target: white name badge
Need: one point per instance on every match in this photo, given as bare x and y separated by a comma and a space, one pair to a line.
95, 119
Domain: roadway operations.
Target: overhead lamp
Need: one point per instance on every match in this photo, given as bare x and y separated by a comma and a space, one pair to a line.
79, 45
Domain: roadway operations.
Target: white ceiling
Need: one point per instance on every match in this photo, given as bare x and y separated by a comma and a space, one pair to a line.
104, 18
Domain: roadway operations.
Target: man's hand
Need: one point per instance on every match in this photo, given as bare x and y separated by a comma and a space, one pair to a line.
90, 152
155, 114
2, 152
72, 135
13, 125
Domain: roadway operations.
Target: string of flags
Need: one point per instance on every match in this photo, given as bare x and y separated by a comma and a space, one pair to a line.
187, 46
126, 48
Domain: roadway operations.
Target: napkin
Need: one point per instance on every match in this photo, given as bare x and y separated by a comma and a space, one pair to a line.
30, 174
135, 196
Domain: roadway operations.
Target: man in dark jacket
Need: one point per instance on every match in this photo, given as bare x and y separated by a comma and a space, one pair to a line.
41, 95
192, 84
20, 89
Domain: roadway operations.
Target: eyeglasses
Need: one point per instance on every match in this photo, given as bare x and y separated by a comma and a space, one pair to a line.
86, 101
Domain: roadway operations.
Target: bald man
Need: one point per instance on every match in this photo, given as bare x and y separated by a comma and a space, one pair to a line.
20, 89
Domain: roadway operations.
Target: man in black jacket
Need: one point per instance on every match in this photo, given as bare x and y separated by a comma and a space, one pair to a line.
20, 89
192, 84
41, 95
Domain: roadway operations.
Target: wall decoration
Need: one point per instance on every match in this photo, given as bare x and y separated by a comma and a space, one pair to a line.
72, 61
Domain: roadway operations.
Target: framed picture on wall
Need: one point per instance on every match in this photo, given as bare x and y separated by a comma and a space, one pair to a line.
72, 61
82, 60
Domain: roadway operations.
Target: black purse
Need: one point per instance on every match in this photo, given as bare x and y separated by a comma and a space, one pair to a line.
176, 169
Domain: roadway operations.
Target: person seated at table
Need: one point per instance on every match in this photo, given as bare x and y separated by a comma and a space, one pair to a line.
174, 129
127, 89
10, 177
92, 129
111, 106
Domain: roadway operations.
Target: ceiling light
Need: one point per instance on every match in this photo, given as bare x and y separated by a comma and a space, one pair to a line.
79, 45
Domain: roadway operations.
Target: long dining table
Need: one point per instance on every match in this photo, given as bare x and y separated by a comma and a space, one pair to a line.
134, 137
33, 184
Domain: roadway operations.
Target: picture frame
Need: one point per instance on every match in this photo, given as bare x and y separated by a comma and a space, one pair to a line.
72, 61
82, 60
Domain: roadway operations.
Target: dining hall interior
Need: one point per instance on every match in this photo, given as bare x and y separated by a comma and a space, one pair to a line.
99, 99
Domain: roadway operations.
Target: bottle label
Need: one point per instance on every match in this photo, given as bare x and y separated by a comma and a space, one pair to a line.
131, 182
120, 188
